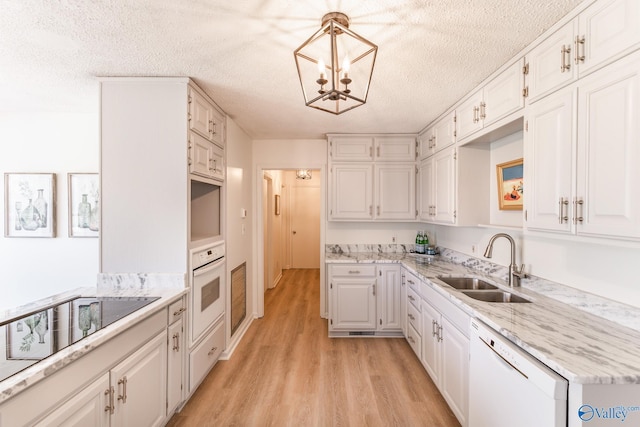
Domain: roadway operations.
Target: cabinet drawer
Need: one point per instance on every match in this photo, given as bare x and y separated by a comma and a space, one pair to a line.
358, 270
414, 340
412, 280
413, 298
176, 310
413, 316
455, 315
205, 355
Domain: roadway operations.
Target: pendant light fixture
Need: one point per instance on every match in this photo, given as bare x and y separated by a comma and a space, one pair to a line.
303, 174
335, 66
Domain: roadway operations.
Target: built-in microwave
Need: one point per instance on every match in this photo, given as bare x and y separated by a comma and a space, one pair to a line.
205, 210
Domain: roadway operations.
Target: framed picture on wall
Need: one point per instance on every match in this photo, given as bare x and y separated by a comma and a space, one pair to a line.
84, 204
29, 205
31, 337
510, 185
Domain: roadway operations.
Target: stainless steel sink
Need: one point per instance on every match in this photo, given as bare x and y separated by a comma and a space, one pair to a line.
495, 296
466, 283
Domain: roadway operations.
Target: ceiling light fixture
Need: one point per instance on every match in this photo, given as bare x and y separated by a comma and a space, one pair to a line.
341, 83
303, 174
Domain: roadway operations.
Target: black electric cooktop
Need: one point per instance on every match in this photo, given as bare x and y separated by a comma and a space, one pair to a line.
39, 334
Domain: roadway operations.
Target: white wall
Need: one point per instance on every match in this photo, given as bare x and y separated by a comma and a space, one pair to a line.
240, 230
60, 143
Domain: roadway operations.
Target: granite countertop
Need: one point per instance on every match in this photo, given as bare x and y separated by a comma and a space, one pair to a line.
120, 286
585, 338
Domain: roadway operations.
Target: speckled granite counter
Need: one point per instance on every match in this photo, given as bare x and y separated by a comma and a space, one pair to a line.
168, 287
585, 338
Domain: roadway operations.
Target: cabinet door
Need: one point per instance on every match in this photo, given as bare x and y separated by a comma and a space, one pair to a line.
403, 303
551, 63
395, 188
444, 133
455, 370
86, 408
468, 116
395, 149
175, 353
140, 383
389, 312
425, 190
200, 155
218, 128
351, 191
351, 149
425, 141
217, 163
608, 30
200, 114
353, 304
609, 151
430, 345
503, 95
444, 170
549, 148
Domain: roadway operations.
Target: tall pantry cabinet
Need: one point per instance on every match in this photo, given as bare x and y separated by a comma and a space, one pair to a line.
162, 140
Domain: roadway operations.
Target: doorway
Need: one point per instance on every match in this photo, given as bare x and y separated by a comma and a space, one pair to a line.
291, 228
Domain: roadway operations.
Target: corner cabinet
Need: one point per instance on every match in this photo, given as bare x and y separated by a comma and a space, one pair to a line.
372, 178
364, 299
602, 138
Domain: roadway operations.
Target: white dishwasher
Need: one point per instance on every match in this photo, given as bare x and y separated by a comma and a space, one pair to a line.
508, 387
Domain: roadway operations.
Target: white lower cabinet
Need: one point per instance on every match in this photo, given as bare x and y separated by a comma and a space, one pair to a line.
205, 355
365, 298
438, 332
139, 386
175, 357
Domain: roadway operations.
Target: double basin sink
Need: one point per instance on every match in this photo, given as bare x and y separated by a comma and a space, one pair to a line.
483, 291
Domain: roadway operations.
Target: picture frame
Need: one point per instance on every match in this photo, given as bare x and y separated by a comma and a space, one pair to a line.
31, 337
277, 204
84, 204
510, 185
86, 317
30, 205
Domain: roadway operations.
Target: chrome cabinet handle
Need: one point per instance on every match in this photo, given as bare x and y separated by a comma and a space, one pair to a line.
483, 110
354, 271
475, 114
578, 202
562, 207
412, 317
565, 53
410, 338
411, 281
378, 210
176, 342
579, 42
439, 333
110, 408
212, 351
373, 287
179, 312
370, 209
434, 329
411, 298
123, 382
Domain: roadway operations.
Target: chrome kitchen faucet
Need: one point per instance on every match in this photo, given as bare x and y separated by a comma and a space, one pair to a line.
515, 274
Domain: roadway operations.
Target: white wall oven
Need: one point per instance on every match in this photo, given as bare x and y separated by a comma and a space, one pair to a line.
208, 288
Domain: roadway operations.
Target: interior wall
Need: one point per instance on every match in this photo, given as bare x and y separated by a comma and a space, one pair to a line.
240, 210
60, 143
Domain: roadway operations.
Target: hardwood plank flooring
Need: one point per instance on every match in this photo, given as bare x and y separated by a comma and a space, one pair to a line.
286, 371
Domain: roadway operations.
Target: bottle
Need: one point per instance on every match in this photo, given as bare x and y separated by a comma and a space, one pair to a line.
419, 243
425, 241
84, 212
41, 206
94, 219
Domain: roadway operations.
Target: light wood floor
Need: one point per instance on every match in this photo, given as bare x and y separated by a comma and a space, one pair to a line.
287, 372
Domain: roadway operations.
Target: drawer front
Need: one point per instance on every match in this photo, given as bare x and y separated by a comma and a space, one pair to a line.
205, 355
413, 316
354, 270
456, 316
413, 298
412, 280
414, 340
176, 310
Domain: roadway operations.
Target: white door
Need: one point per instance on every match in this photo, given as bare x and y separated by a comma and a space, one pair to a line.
609, 151
305, 226
549, 148
389, 313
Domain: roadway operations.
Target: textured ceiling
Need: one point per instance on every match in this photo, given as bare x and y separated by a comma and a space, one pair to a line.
431, 53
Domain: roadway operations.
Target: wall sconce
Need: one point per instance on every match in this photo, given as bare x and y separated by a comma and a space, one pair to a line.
303, 174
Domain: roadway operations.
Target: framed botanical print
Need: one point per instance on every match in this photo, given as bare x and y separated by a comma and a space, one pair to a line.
510, 185
84, 205
29, 205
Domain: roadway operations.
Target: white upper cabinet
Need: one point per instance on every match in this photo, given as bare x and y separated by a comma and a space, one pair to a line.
395, 148
205, 159
500, 97
441, 135
602, 33
599, 197
609, 151
205, 119
351, 149
395, 191
351, 191
438, 187
549, 147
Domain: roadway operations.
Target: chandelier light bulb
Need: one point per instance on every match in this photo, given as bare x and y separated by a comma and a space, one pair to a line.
346, 65
321, 68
